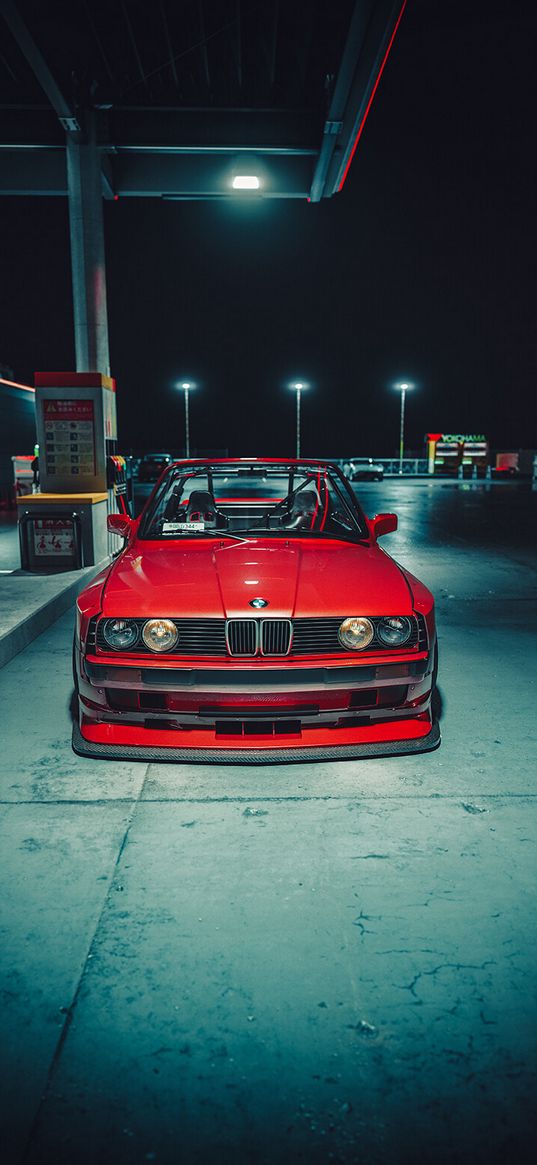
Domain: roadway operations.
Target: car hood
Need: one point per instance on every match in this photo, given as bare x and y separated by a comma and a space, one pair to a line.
215, 580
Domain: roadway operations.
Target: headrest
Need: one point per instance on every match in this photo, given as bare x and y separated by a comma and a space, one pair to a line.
304, 502
201, 507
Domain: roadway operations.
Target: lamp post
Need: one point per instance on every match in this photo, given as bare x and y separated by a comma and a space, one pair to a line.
186, 386
403, 388
298, 386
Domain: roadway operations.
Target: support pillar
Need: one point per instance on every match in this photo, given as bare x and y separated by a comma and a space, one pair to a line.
87, 253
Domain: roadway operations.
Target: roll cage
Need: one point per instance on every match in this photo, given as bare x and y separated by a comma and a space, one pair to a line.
261, 497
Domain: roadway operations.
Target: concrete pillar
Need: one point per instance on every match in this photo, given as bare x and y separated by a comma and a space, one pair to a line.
87, 253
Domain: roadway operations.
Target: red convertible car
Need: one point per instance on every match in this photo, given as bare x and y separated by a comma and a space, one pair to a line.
252, 616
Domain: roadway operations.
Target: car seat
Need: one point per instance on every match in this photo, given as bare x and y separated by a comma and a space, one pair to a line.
202, 508
308, 510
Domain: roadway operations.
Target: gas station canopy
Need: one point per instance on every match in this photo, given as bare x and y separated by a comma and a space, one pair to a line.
188, 100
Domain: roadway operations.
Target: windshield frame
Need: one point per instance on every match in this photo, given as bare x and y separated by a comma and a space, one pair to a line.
291, 469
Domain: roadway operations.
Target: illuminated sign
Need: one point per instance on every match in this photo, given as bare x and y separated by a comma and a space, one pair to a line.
69, 437
461, 437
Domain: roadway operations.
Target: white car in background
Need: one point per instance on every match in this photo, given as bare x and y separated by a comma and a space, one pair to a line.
364, 469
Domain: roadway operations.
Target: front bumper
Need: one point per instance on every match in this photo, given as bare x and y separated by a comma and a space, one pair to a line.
201, 754
254, 715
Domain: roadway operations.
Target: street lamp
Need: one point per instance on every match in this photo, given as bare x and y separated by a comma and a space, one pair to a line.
298, 386
402, 387
186, 386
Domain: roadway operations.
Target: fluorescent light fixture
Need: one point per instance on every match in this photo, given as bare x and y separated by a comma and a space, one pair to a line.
246, 182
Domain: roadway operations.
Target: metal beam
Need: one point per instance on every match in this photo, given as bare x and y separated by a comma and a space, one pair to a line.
107, 178
206, 176
131, 174
371, 32
381, 33
127, 148
193, 128
87, 254
340, 95
165, 127
37, 63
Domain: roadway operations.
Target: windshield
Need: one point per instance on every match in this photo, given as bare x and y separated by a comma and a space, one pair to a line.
241, 499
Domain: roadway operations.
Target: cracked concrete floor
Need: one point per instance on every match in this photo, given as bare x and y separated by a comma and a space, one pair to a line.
313, 963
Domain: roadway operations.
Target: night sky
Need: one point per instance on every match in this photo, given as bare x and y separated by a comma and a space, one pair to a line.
424, 268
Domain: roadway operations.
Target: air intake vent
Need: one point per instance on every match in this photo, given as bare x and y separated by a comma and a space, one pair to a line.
241, 636
423, 638
92, 634
275, 636
316, 636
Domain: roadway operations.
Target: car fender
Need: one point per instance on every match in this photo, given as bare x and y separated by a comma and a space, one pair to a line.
89, 603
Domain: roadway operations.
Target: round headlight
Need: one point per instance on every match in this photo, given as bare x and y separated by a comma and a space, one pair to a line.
356, 633
394, 630
120, 633
160, 634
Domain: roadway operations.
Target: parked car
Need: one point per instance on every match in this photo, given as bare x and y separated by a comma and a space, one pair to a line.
365, 469
152, 465
252, 617
504, 472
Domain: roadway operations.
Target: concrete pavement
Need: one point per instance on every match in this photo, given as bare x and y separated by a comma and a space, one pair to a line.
313, 963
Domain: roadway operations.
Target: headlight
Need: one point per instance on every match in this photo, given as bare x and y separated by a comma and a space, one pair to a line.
356, 633
394, 630
120, 633
160, 634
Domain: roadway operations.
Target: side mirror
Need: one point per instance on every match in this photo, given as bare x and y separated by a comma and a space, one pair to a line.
119, 524
383, 524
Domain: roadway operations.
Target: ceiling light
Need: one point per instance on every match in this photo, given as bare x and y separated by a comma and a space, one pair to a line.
246, 182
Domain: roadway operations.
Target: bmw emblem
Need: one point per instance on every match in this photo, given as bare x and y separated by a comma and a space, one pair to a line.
259, 602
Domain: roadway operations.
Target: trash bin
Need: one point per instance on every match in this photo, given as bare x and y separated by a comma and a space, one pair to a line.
50, 542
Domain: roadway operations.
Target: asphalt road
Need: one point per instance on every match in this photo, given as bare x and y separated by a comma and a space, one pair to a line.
311, 963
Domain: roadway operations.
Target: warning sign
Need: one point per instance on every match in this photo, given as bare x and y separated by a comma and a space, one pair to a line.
53, 538
69, 437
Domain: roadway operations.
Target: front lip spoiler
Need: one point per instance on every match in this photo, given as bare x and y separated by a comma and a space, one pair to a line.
207, 756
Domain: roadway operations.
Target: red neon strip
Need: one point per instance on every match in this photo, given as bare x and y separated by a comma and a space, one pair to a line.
370, 102
325, 514
14, 384
317, 497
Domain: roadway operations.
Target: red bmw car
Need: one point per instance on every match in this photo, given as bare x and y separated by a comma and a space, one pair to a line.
252, 616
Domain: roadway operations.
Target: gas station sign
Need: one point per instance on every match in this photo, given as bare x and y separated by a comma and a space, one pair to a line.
76, 430
448, 452
69, 438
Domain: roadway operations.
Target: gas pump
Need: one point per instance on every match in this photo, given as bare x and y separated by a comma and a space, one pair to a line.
116, 473
64, 526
